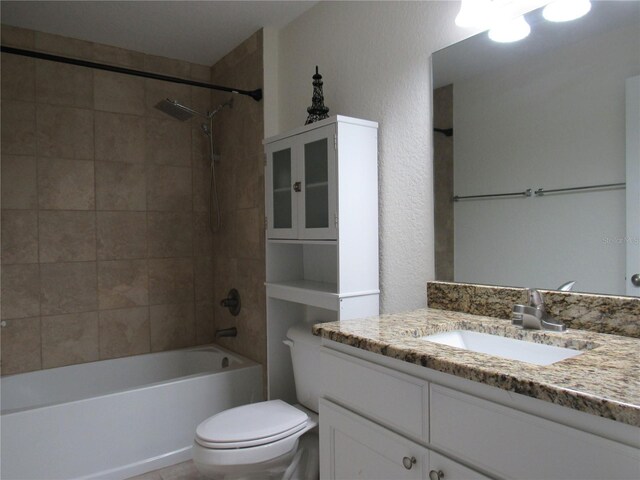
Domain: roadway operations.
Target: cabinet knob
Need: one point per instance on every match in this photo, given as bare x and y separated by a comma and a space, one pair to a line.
408, 462
297, 187
635, 280
436, 475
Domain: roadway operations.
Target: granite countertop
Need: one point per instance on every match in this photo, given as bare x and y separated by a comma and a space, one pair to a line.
602, 381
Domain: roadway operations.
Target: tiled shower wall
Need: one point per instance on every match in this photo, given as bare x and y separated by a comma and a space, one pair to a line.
239, 260
106, 249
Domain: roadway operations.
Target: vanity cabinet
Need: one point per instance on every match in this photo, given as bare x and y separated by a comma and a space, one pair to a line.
372, 417
354, 448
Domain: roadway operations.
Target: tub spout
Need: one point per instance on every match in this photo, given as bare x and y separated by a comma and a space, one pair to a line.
227, 332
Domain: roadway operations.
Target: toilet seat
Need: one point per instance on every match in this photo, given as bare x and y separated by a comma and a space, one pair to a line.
253, 433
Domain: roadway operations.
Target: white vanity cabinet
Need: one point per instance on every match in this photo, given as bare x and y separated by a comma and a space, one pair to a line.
374, 417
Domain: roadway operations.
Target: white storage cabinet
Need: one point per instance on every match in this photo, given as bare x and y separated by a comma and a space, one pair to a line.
321, 188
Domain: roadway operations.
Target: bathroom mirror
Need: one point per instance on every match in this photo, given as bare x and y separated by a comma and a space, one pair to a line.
547, 112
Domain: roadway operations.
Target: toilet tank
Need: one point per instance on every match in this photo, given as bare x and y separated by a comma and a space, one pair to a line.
305, 356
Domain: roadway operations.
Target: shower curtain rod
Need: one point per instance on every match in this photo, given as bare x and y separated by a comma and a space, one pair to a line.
255, 94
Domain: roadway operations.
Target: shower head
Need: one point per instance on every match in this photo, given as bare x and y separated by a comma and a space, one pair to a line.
177, 110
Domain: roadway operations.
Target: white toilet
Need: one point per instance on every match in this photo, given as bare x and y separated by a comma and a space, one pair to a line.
268, 440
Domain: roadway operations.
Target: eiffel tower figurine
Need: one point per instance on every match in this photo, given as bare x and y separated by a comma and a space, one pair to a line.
317, 110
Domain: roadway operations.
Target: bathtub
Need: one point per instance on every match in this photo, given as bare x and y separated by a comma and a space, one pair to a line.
118, 418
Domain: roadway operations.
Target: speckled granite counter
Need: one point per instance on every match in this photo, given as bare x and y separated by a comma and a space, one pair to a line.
603, 381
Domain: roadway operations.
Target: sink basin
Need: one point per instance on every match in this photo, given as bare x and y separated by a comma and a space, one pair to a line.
536, 353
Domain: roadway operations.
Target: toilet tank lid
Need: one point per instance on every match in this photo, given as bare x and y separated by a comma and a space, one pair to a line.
302, 332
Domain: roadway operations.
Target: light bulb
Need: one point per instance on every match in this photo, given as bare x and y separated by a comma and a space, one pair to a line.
474, 13
566, 10
510, 31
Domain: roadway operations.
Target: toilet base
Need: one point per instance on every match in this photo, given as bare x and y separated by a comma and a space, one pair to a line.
301, 463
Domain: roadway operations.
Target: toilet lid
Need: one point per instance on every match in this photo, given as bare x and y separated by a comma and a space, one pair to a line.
251, 425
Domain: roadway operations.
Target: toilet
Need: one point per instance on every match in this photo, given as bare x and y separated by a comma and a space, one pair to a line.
272, 439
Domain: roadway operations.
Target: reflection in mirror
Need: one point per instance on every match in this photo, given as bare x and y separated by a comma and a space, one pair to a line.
548, 113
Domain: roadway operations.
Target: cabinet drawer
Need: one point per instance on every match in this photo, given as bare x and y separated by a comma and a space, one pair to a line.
391, 398
514, 444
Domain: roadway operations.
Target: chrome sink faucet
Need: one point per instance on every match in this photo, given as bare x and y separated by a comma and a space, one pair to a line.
534, 316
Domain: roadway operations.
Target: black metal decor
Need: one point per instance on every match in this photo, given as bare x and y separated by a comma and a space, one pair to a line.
317, 110
255, 94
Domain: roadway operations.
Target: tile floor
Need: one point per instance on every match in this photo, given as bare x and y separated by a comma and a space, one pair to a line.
181, 471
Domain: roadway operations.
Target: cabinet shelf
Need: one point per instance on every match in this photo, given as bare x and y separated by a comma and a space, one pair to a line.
282, 189
318, 294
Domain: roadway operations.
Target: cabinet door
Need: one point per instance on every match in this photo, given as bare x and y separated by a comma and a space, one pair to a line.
317, 208
281, 198
353, 448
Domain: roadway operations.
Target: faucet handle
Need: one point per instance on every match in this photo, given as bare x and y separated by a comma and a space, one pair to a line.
535, 298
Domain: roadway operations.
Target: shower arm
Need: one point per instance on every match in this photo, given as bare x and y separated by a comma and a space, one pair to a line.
255, 94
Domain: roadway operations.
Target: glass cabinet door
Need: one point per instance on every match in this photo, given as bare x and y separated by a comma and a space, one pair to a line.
281, 195
317, 214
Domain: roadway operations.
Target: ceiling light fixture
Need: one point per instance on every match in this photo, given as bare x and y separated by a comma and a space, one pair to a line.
510, 30
566, 10
475, 13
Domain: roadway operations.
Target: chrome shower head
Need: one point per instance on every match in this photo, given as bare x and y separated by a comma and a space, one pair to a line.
175, 109
205, 128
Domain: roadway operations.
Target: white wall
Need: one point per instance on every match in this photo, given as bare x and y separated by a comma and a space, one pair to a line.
573, 98
375, 62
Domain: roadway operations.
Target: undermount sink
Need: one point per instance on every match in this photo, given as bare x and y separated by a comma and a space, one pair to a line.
510, 348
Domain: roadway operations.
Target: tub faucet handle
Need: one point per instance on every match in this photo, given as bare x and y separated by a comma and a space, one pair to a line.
232, 302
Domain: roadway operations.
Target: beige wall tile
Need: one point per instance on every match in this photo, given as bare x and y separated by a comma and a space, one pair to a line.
172, 326
68, 287
156, 90
169, 188
65, 132
202, 235
19, 241
250, 282
203, 274
124, 332
121, 235
200, 149
168, 142
65, 184
170, 234
250, 230
200, 73
120, 186
18, 77
61, 84
19, 182
205, 327
21, 346
166, 66
17, 37
249, 177
69, 339
65, 46
115, 92
118, 56
120, 138
170, 280
20, 291
18, 127
122, 283
67, 236
201, 186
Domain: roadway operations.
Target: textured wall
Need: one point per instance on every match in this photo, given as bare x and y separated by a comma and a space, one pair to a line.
105, 245
238, 258
375, 59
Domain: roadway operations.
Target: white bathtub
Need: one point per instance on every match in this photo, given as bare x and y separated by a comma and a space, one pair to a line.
117, 418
